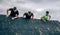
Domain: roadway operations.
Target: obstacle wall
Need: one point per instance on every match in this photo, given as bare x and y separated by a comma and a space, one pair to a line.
23, 26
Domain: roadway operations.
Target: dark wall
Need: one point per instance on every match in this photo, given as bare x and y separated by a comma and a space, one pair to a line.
23, 26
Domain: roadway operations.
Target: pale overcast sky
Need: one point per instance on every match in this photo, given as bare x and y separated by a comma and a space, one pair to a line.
38, 7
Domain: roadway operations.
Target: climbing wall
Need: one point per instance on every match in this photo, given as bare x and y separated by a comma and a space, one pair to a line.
21, 26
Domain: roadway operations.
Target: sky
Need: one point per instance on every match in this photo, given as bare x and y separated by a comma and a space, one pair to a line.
38, 7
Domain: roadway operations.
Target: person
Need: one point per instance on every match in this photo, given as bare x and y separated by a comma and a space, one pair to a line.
14, 13
46, 17
28, 15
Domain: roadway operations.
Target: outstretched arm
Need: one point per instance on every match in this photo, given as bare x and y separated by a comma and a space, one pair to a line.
42, 18
24, 14
49, 17
16, 16
7, 13
32, 16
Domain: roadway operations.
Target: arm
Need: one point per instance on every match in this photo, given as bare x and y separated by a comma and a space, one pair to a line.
49, 17
42, 18
7, 12
24, 14
32, 16
16, 16
17, 13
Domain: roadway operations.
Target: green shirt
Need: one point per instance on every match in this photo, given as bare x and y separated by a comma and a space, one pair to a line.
46, 17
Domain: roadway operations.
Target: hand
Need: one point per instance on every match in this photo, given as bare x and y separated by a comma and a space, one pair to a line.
21, 17
44, 20
6, 15
13, 18
32, 18
48, 20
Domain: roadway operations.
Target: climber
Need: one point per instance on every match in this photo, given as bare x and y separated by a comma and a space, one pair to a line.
46, 17
28, 15
14, 13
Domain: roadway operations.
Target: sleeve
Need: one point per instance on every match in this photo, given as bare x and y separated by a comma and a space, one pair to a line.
25, 13
10, 9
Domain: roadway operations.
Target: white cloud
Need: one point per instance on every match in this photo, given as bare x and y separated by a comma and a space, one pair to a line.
38, 7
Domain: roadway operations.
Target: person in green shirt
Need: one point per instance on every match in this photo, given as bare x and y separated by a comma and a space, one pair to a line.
46, 17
